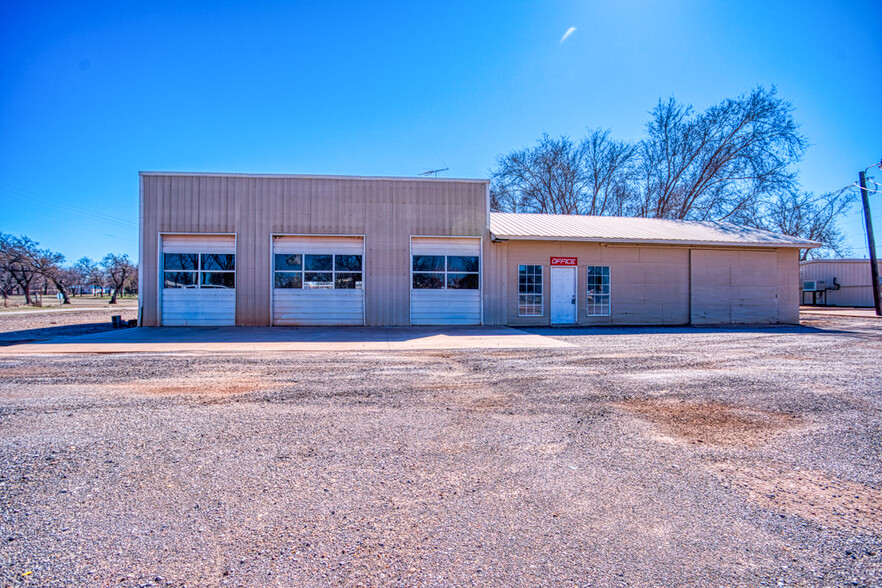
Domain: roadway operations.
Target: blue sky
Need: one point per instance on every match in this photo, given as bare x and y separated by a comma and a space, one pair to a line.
92, 93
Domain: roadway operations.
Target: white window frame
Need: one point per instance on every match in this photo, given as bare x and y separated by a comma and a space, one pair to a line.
541, 296
592, 306
445, 272
302, 271
199, 271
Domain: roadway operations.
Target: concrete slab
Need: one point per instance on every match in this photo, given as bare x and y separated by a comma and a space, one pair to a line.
233, 339
838, 311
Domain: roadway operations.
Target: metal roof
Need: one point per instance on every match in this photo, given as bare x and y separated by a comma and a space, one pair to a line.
611, 229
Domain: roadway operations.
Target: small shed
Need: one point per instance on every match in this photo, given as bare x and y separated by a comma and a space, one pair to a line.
836, 282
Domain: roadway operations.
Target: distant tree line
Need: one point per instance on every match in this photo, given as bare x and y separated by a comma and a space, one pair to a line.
732, 162
26, 267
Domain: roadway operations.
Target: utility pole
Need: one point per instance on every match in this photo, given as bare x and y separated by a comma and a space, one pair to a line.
871, 242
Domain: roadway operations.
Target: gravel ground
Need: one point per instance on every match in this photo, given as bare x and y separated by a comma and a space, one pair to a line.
641, 457
28, 326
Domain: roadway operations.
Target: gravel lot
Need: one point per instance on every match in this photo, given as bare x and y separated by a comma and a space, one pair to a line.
642, 457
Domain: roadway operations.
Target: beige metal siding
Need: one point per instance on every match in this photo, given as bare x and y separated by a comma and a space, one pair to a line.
651, 284
648, 285
852, 275
386, 211
734, 287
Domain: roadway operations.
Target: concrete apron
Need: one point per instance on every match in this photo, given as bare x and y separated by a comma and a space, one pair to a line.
233, 339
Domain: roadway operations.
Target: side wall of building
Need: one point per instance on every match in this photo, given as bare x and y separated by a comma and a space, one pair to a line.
387, 212
853, 276
649, 285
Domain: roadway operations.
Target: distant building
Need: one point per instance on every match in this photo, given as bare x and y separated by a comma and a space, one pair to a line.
837, 282
240, 249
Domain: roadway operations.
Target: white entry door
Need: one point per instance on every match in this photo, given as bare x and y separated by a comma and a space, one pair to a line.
563, 295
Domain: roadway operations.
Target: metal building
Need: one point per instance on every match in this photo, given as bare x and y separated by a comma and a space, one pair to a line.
256, 250
837, 282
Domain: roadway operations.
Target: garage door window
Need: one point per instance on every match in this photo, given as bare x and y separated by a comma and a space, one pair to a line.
322, 271
450, 272
199, 270
529, 290
598, 291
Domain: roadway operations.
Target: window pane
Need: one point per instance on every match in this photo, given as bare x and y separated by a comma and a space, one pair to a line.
428, 281
428, 263
180, 280
459, 263
347, 281
597, 300
181, 261
319, 263
313, 280
347, 263
289, 261
462, 281
218, 280
218, 261
289, 280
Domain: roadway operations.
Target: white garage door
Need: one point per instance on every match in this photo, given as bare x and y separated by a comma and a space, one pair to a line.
445, 281
198, 280
318, 280
734, 287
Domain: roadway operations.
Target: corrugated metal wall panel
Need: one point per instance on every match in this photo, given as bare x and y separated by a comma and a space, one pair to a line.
853, 276
386, 211
734, 286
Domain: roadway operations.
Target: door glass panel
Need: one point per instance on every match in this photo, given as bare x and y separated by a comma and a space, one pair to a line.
218, 261
314, 280
181, 261
289, 280
179, 280
288, 261
428, 263
347, 263
462, 281
428, 281
319, 263
348, 281
460, 263
218, 280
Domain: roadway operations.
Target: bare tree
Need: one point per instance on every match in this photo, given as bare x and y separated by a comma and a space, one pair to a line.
732, 162
118, 270
17, 254
719, 164
609, 167
803, 214
89, 272
7, 282
549, 178
49, 265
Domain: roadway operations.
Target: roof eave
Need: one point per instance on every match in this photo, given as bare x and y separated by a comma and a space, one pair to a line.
800, 244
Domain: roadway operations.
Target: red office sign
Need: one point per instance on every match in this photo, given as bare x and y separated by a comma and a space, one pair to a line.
566, 261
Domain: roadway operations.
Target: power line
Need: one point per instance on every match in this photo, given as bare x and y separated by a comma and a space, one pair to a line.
27, 195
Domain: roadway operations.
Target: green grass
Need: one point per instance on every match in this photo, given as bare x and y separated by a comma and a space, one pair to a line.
17, 303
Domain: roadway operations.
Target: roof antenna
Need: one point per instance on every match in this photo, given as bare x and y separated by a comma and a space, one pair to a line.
434, 172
